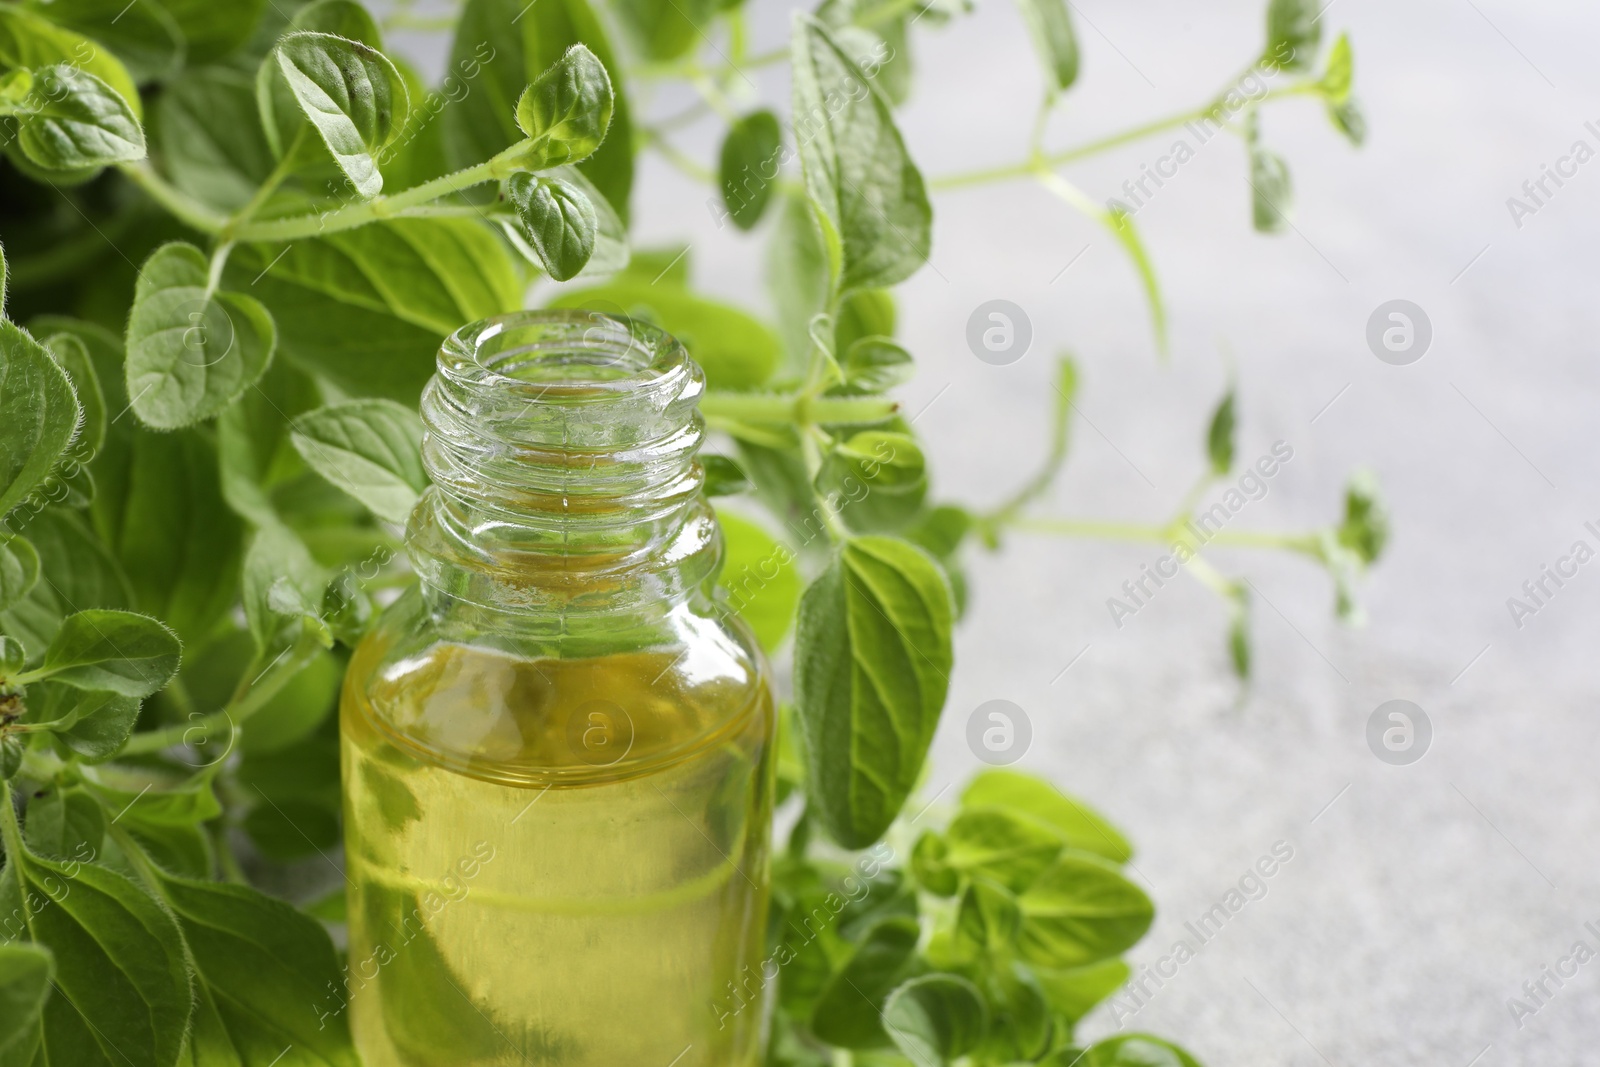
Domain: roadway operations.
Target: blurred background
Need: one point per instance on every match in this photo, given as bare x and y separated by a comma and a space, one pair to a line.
1419, 898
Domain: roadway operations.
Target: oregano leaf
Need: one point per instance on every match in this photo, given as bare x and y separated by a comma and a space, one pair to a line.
936, 1018
566, 111
372, 449
74, 120
352, 94
191, 349
872, 665
119, 962
557, 219
39, 414
1050, 26
120, 651
747, 166
26, 971
19, 570
868, 195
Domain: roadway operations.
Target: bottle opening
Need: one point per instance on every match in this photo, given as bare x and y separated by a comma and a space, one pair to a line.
561, 446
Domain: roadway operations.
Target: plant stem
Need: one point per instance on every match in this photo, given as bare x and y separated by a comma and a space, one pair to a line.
185, 208
1029, 166
796, 409
379, 207
11, 832
1173, 532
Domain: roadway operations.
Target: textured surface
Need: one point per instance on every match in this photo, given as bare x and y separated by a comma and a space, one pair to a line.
1424, 896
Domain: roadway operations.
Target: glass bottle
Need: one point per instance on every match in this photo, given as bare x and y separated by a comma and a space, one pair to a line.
557, 748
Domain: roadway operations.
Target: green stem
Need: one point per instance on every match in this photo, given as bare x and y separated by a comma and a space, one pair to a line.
795, 409
252, 699
1175, 531
10, 830
811, 440
1138, 133
679, 158
279, 173
185, 208
380, 207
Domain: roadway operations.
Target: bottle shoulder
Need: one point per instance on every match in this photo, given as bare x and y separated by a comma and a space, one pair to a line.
595, 705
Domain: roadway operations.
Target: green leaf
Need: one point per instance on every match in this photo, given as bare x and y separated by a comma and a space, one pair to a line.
502, 45
75, 120
1133, 1050
207, 132
1294, 29
666, 29
849, 1012
868, 196
930, 865
937, 1018
367, 308
1081, 910
213, 30
1365, 529
161, 512
993, 843
566, 110
1239, 642
988, 918
1220, 435
253, 447
1020, 1023
122, 993
759, 579
26, 971
875, 365
28, 40
341, 18
185, 804
724, 477
191, 350
872, 666
130, 654
82, 575
1074, 991
1339, 74
734, 348
747, 166
39, 414
70, 351
797, 278
1349, 120
557, 219
281, 582
63, 823
1120, 223
303, 704
351, 92
3, 277
102, 723
19, 570
266, 970
1079, 825
142, 33
1270, 187
372, 449
878, 479
13, 657
1053, 36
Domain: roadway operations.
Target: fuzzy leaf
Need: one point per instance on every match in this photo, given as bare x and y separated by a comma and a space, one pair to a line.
191, 350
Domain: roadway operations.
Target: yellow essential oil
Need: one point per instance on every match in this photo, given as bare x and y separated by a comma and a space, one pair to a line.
556, 751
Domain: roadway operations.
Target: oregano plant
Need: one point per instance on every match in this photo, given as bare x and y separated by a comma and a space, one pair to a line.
234, 237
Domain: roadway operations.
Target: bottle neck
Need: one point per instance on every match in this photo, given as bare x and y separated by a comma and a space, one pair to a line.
562, 446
